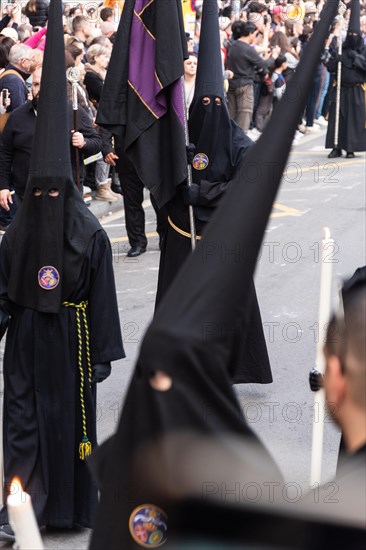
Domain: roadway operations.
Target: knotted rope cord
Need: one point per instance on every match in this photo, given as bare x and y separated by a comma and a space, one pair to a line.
85, 446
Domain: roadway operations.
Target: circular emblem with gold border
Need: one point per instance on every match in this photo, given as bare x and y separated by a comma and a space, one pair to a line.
48, 277
149, 526
200, 161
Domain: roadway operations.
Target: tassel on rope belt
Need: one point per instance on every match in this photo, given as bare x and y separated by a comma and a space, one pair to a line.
180, 231
85, 446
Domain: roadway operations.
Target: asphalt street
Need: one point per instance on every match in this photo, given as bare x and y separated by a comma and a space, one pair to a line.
316, 192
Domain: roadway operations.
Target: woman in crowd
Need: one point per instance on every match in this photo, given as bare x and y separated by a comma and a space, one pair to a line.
37, 12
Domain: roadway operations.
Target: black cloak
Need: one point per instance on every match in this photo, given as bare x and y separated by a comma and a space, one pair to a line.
57, 295
220, 146
200, 399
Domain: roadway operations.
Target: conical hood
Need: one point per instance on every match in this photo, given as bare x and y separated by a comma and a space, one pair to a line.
51, 147
196, 330
45, 240
355, 17
209, 79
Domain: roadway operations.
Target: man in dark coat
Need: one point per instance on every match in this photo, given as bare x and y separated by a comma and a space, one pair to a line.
17, 141
352, 115
220, 145
58, 301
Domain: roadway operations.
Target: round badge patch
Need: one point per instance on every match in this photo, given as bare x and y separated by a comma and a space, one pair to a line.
200, 161
48, 277
149, 526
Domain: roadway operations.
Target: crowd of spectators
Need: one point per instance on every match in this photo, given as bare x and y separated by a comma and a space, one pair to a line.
262, 42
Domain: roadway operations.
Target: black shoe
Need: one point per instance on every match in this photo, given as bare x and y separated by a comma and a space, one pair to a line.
335, 153
136, 251
350, 155
6, 533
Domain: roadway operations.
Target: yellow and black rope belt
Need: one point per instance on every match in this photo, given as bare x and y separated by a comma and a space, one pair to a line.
85, 446
180, 231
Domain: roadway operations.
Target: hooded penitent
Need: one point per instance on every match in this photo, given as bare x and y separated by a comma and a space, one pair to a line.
49, 232
193, 339
220, 143
351, 134
354, 39
58, 302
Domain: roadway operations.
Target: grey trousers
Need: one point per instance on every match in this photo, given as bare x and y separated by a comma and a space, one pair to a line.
241, 105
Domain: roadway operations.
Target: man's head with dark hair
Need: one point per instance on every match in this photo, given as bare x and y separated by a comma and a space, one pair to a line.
80, 24
236, 29
345, 352
246, 29
107, 14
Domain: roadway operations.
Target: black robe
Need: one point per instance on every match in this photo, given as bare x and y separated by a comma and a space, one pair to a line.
253, 364
42, 416
352, 116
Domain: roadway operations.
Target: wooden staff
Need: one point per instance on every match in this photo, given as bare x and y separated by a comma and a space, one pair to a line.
73, 76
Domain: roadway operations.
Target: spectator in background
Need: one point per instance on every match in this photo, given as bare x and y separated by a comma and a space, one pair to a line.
363, 28
278, 18
278, 80
107, 14
17, 141
265, 103
12, 14
96, 69
13, 79
244, 62
76, 52
15, 74
37, 40
292, 58
190, 71
37, 12
102, 41
310, 109
81, 30
25, 31
76, 11
6, 44
11, 33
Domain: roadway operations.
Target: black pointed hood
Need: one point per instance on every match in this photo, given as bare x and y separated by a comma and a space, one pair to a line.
355, 17
49, 232
220, 142
209, 81
193, 337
